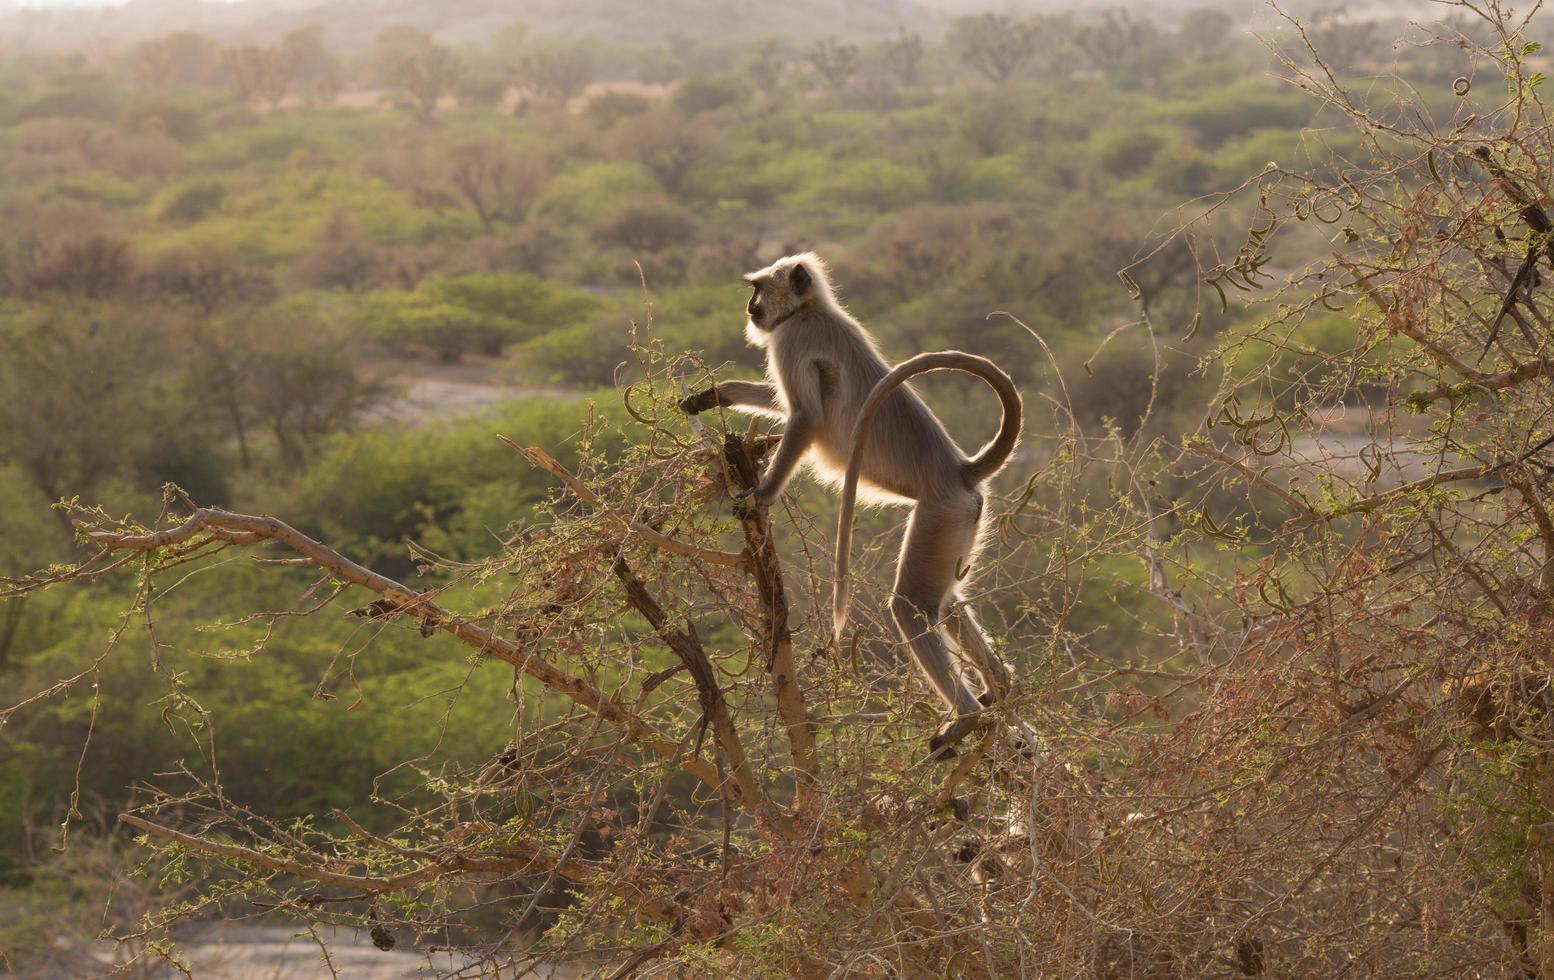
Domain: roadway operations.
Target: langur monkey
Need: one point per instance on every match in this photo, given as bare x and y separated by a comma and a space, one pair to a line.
850, 414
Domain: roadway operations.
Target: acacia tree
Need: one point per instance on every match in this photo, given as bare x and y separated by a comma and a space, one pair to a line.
555, 74
903, 56
93, 266
995, 46
182, 56
637, 753
834, 62
488, 174
497, 182
258, 73
765, 66
1114, 39
1206, 31
418, 70
668, 144
314, 68
212, 282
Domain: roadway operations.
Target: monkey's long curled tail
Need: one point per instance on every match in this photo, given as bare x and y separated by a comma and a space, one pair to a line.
978, 468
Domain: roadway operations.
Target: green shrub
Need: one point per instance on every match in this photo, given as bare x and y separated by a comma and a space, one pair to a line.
702, 94
648, 224
1221, 114
449, 488
274, 140
92, 188
593, 192
878, 185
608, 108
84, 95
180, 114
705, 318
190, 201
1126, 152
481, 313
584, 354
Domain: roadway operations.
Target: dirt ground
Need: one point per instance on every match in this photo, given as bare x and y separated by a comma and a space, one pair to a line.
240, 951
428, 391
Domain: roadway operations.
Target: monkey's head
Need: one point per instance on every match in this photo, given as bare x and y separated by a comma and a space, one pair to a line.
782, 289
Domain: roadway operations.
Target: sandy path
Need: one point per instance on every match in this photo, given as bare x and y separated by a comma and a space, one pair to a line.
239, 951
427, 391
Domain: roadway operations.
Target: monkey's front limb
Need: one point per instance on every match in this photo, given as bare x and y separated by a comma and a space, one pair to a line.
752, 396
797, 436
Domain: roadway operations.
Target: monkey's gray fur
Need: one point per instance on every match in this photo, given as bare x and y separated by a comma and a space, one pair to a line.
851, 415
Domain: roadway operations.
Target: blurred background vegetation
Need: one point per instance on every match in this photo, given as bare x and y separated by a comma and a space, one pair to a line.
307, 263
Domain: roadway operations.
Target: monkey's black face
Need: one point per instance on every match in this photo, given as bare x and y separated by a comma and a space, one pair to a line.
755, 309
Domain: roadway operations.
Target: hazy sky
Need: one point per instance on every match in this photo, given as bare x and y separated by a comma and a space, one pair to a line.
14, 4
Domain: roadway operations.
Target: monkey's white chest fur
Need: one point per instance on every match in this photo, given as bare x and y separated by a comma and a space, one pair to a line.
823, 377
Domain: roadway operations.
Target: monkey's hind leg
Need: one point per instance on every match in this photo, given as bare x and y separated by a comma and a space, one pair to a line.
978, 651
996, 675
938, 535
962, 626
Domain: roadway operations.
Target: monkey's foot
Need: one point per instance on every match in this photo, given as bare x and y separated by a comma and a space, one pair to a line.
1022, 739
942, 745
1025, 742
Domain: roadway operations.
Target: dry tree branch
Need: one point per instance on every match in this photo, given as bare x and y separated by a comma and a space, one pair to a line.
1462, 473
1369, 503
1402, 325
250, 528
1480, 382
766, 567
1540, 242
542, 460
688, 648
1201, 448
520, 858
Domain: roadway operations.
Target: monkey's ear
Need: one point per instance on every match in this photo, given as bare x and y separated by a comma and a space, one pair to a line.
800, 279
